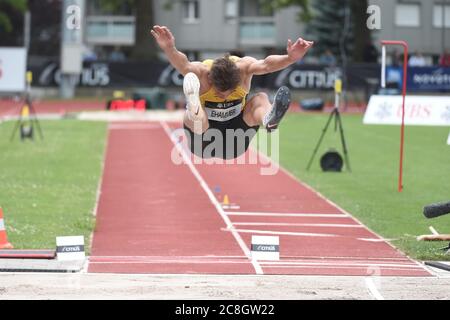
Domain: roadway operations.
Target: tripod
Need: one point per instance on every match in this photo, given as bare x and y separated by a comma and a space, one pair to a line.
338, 124
27, 118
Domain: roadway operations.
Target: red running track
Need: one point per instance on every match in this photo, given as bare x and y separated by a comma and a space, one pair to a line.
158, 217
10, 108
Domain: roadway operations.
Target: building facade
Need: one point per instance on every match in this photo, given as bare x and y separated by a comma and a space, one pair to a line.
208, 28
419, 22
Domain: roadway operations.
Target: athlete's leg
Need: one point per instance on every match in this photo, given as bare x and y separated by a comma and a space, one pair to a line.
259, 110
195, 118
256, 108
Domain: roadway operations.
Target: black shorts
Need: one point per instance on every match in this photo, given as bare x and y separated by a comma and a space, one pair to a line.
224, 140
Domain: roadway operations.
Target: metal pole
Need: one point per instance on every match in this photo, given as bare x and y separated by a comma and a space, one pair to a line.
71, 45
27, 31
383, 67
444, 4
404, 44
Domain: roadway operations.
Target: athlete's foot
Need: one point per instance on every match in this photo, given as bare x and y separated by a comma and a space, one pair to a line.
191, 88
280, 105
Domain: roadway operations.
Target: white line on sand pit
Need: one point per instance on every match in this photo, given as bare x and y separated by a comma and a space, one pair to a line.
373, 289
211, 197
281, 214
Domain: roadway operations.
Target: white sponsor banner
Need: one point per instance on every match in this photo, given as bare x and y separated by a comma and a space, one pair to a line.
419, 110
265, 248
70, 248
13, 69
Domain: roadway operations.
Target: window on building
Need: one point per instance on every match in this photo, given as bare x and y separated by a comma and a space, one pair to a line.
191, 11
231, 10
407, 15
254, 8
439, 15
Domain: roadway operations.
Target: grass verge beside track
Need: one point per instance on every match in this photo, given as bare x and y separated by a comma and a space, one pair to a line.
369, 192
48, 188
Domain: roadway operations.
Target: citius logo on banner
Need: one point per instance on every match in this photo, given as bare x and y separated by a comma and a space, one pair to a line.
94, 75
306, 78
419, 110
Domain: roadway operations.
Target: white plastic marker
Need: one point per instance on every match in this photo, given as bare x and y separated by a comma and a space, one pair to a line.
70, 248
265, 248
383, 67
433, 231
448, 140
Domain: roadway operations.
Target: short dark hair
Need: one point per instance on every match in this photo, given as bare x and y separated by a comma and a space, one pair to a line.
225, 74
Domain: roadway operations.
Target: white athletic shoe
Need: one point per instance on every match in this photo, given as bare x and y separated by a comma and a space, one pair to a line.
191, 89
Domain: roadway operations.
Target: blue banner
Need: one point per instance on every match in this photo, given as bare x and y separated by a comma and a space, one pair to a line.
426, 79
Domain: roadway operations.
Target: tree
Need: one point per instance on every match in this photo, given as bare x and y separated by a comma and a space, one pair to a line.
10, 5
144, 48
11, 22
328, 27
325, 24
46, 27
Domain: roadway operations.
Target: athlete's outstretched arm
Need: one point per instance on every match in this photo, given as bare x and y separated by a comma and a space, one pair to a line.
177, 59
294, 52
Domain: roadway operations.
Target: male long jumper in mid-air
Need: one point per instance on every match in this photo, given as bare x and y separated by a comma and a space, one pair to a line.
217, 90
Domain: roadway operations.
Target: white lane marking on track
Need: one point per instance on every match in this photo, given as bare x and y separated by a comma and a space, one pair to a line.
171, 261
280, 214
308, 258
300, 234
343, 264
406, 270
212, 198
297, 224
131, 126
260, 154
99, 192
166, 257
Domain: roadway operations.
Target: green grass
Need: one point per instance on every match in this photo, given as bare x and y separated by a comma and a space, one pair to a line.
369, 192
48, 188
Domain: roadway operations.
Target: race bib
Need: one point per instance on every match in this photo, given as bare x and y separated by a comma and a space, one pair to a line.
223, 111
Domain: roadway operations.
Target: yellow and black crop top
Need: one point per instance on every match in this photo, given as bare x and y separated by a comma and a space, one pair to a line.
220, 109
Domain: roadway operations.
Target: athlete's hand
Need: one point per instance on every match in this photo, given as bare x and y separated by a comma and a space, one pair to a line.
297, 50
163, 37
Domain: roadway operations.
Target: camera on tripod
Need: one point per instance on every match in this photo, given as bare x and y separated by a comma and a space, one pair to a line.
332, 160
27, 117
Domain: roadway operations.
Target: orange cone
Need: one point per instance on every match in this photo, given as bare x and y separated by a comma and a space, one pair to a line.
226, 201
4, 244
